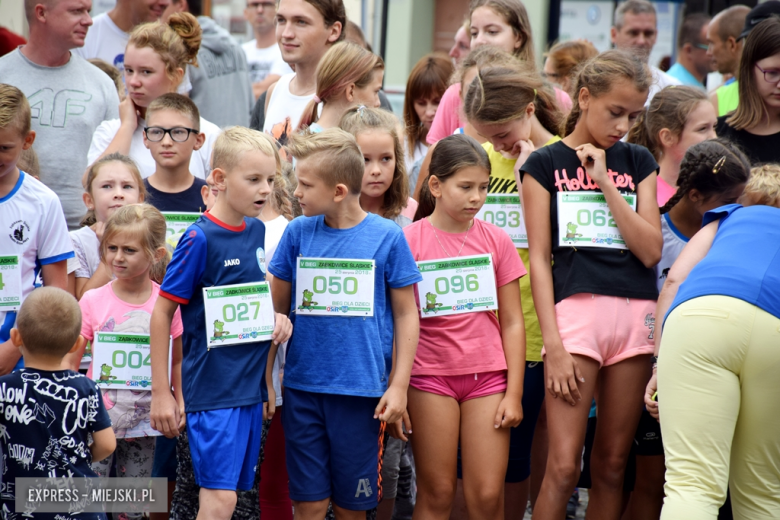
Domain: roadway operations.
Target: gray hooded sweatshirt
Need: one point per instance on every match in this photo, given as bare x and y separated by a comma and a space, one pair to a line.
220, 84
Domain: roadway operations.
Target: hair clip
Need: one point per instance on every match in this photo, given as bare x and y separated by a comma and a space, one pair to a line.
534, 92
360, 110
719, 165
317, 99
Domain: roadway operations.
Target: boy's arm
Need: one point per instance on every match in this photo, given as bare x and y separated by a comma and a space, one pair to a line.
55, 274
178, 394
281, 292
406, 320
101, 277
165, 409
103, 444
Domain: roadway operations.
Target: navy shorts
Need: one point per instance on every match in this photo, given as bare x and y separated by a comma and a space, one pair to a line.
164, 465
648, 441
333, 446
225, 446
521, 437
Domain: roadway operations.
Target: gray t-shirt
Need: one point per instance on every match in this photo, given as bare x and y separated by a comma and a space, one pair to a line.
68, 103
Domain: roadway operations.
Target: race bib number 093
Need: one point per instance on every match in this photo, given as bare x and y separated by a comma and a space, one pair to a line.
505, 211
334, 287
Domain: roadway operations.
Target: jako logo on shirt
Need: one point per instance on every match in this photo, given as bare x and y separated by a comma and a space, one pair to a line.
364, 486
234, 261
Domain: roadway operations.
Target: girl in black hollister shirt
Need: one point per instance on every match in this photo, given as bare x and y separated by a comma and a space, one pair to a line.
590, 205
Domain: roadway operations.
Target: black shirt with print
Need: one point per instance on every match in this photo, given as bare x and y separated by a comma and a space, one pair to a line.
596, 270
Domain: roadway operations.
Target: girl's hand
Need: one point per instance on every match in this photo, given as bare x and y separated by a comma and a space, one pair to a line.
523, 149
392, 405
396, 429
563, 372
128, 114
650, 404
99, 228
594, 160
509, 413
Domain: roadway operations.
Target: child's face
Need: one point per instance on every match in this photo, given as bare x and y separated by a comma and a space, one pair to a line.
426, 108
462, 195
209, 192
770, 92
314, 194
12, 142
699, 127
369, 95
145, 76
126, 257
379, 153
113, 187
506, 137
246, 187
610, 115
168, 153
489, 28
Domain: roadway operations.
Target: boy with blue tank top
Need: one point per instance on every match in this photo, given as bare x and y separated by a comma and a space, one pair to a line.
217, 276
346, 277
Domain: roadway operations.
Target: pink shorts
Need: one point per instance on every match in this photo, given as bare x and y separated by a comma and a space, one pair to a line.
609, 329
462, 388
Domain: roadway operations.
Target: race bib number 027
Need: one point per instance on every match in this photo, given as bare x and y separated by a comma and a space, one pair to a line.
335, 287
584, 220
237, 314
505, 211
457, 286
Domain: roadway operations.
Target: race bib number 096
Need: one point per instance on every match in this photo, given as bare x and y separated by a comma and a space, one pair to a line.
457, 286
334, 287
505, 211
237, 314
584, 220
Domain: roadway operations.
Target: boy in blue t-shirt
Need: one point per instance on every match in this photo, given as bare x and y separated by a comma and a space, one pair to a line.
46, 427
34, 236
347, 277
223, 373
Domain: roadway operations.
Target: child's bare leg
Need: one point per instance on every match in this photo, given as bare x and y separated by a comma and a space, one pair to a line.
311, 510
216, 504
348, 514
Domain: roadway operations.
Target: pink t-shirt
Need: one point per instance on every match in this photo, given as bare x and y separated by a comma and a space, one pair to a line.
410, 209
468, 343
103, 311
664, 191
448, 117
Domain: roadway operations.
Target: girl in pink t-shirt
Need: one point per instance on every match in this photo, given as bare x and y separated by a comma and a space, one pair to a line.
677, 118
467, 378
133, 242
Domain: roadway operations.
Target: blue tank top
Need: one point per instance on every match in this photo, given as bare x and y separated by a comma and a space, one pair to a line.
744, 261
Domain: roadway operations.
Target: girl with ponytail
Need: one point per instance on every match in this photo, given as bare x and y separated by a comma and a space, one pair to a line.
678, 117
156, 56
348, 75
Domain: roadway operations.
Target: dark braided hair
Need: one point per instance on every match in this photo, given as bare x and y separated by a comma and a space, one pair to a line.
710, 167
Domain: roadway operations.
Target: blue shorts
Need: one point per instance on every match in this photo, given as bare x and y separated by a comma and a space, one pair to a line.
164, 465
225, 446
333, 446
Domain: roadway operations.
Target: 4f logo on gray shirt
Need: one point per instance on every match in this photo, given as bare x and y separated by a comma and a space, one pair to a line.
52, 109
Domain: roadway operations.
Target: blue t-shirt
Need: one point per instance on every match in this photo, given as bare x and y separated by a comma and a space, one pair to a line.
744, 260
340, 354
212, 253
46, 419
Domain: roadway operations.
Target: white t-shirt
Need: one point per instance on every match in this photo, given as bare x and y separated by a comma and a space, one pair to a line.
33, 230
274, 229
674, 242
284, 110
106, 41
199, 163
86, 246
263, 62
661, 80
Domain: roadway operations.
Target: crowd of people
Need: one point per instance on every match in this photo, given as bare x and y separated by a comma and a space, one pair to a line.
234, 268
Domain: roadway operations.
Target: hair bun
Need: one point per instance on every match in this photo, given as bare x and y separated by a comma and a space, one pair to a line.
189, 30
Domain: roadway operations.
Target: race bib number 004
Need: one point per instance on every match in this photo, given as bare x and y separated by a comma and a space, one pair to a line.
238, 314
122, 361
177, 224
10, 283
506, 212
584, 220
335, 287
457, 286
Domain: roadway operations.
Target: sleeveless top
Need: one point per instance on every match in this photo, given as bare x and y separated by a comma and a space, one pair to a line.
284, 110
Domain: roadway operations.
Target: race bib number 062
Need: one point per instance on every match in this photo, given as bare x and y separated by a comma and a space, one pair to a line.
334, 287
584, 220
457, 286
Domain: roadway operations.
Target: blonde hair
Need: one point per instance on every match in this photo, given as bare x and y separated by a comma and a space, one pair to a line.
28, 162
93, 171
483, 56
344, 63
236, 140
362, 119
763, 186
340, 160
146, 222
516, 16
291, 184
113, 73
177, 42
281, 198
14, 109
49, 321
566, 56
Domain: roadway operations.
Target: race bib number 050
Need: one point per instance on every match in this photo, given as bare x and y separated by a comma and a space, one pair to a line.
10, 283
122, 361
335, 287
457, 286
505, 211
584, 220
238, 314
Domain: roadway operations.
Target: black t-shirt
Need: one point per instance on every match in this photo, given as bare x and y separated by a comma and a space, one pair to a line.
596, 270
760, 149
188, 200
46, 417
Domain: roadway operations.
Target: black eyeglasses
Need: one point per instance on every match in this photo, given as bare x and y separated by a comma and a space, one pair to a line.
178, 134
770, 76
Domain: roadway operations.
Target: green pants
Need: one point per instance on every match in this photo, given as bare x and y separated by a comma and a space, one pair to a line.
719, 400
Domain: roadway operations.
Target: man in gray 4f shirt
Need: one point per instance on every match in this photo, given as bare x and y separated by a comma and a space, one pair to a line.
69, 97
